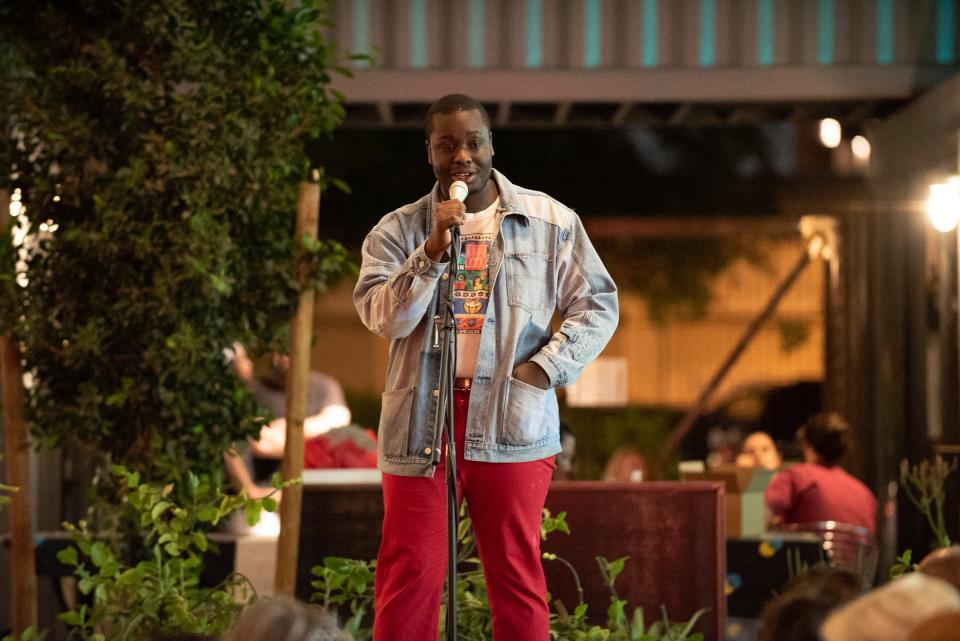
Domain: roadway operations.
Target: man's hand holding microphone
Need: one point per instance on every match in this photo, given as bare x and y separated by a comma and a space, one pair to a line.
446, 216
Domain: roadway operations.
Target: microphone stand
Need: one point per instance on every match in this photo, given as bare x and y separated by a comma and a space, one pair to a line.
445, 340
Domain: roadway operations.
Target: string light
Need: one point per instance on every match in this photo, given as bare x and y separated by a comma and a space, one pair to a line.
16, 206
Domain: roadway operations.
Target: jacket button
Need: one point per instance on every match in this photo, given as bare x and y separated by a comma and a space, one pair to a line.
436, 393
420, 263
444, 276
427, 451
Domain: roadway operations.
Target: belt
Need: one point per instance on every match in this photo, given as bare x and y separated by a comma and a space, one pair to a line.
462, 383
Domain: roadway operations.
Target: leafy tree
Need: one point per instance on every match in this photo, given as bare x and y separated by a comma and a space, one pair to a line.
153, 152
156, 150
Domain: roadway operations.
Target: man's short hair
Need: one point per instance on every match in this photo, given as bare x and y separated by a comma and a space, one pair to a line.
451, 103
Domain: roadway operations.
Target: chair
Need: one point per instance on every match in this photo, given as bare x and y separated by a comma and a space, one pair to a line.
844, 545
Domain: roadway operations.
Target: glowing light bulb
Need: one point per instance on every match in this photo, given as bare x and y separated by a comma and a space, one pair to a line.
860, 147
830, 132
943, 206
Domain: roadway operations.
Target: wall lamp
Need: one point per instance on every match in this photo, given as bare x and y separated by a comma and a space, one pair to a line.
943, 204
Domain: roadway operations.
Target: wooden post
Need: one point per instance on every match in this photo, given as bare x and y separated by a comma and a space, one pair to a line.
23, 574
308, 215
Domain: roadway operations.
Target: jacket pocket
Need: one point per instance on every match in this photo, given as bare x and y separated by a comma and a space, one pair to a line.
523, 414
526, 281
394, 431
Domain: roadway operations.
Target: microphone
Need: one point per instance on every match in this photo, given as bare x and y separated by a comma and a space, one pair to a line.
458, 190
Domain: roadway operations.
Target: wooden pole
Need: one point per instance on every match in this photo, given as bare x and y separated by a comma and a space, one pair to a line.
308, 215
23, 573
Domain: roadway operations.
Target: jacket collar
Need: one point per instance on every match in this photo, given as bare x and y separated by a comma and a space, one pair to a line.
509, 203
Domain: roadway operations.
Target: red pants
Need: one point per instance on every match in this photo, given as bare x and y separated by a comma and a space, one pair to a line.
505, 502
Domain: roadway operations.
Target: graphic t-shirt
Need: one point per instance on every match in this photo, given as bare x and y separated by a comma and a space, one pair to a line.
471, 289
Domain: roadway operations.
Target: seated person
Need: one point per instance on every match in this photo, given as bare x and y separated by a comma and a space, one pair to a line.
330, 440
819, 489
759, 450
626, 464
326, 408
722, 443
566, 466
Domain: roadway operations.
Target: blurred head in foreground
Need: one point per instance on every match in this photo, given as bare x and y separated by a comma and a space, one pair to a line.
939, 627
943, 563
285, 620
796, 613
892, 611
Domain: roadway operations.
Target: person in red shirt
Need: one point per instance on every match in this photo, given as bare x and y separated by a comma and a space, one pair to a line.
819, 489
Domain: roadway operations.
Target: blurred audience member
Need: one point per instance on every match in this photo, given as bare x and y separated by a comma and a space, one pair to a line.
284, 619
330, 440
796, 614
566, 467
819, 489
939, 627
943, 564
326, 407
626, 464
759, 450
893, 611
723, 442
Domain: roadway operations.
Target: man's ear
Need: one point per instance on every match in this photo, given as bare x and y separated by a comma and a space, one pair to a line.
429, 153
492, 152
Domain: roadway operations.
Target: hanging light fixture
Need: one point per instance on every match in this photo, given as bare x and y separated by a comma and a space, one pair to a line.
830, 132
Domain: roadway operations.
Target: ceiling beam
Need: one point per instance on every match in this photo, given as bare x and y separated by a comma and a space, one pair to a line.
503, 113
779, 84
386, 113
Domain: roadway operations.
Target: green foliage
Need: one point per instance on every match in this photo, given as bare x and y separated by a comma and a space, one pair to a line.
924, 483
160, 593
793, 333
165, 141
574, 627
903, 565
30, 634
346, 581
343, 581
674, 275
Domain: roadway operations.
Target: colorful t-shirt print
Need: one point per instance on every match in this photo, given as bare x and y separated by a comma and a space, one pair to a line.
471, 289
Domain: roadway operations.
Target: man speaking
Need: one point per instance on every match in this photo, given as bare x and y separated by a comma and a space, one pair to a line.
523, 257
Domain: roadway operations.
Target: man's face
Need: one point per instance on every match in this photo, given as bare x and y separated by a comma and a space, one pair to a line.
461, 148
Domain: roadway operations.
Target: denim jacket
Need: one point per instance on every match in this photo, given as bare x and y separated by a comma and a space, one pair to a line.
541, 262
